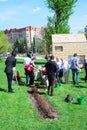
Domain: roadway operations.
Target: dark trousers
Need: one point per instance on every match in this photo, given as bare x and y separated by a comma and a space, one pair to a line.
9, 78
60, 74
51, 83
85, 75
30, 78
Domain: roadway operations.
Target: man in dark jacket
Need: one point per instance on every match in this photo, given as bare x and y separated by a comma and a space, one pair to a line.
51, 69
10, 63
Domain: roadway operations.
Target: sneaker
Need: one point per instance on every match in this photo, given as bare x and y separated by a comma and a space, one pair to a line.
11, 91
51, 94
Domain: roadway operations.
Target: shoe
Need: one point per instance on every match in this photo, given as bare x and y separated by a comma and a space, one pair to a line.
11, 91
27, 84
51, 94
74, 83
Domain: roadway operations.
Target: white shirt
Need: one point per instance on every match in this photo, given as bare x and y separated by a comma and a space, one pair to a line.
27, 60
65, 66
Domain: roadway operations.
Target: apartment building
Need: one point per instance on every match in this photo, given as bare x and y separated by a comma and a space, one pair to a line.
28, 33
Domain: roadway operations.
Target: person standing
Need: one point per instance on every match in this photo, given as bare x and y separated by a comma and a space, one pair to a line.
75, 69
61, 70
65, 71
10, 64
85, 67
51, 69
58, 70
29, 70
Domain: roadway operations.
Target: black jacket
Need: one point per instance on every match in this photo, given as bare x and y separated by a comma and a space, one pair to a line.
51, 67
10, 63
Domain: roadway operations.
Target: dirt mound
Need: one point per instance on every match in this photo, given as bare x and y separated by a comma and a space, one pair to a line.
43, 106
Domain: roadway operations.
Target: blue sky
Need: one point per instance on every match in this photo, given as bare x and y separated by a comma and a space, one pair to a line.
22, 13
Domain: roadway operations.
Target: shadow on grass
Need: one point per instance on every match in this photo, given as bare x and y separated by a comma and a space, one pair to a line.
83, 79
76, 103
3, 90
21, 83
80, 86
23, 77
19, 62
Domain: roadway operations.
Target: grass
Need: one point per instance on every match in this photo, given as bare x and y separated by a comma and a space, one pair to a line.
17, 112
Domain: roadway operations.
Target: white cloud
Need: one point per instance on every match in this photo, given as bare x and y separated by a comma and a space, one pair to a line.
36, 9
3, 0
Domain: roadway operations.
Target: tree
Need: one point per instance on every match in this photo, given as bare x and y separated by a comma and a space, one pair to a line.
58, 24
40, 44
5, 45
20, 45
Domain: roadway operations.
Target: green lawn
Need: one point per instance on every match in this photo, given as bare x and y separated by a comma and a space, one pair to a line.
17, 112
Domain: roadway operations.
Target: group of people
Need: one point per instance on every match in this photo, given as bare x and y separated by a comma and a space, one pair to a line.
53, 69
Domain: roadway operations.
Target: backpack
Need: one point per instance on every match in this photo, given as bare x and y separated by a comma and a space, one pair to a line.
69, 98
29, 68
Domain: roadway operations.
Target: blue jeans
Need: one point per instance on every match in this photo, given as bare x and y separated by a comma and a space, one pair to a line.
27, 78
9, 78
75, 76
57, 76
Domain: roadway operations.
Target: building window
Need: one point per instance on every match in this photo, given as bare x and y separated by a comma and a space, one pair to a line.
58, 48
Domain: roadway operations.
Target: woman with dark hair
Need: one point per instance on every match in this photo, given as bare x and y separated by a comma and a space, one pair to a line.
29, 70
10, 64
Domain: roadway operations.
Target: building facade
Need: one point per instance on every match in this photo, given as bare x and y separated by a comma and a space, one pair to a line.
65, 45
28, 33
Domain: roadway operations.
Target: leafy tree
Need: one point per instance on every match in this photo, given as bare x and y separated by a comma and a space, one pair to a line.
5, 45
58, 23
40, 44
20, 45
